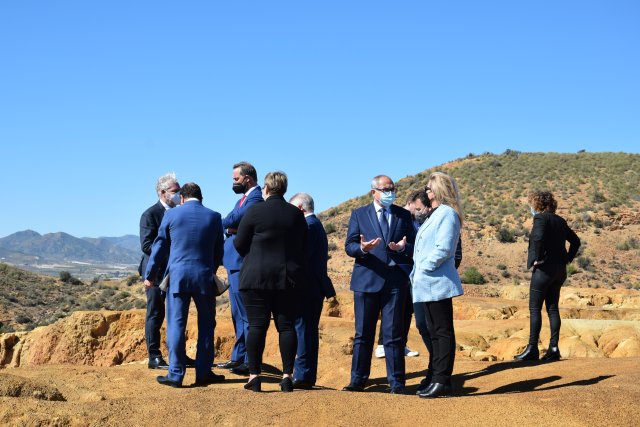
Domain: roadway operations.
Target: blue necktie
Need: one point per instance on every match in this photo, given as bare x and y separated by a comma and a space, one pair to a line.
384, 224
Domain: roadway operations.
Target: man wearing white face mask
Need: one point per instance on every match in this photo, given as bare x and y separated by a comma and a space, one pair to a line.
380, 238
168, 191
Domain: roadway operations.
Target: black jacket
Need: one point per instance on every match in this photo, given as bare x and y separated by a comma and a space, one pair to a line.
548, 238
149, 225
272, 237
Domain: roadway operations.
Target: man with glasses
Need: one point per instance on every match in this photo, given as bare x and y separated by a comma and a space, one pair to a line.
380, 238
168, 191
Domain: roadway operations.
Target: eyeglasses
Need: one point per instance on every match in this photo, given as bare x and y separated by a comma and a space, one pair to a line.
385, 190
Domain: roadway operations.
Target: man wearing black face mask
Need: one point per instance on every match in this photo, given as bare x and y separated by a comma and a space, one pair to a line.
245, 182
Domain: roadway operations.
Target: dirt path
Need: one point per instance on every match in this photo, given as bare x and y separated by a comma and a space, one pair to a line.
576, 392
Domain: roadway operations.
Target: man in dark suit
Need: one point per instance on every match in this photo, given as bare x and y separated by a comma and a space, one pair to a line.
168, 189
318, 288
380, 237
190, 237
245, 182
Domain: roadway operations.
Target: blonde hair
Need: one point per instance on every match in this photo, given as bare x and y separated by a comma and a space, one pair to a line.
276, 182
445, 191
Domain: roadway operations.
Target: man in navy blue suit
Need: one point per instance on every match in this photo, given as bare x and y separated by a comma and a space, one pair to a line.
190, 237
245, 182
318, 288
380, 238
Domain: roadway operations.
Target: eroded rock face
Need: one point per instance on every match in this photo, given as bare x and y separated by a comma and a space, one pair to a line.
594, 324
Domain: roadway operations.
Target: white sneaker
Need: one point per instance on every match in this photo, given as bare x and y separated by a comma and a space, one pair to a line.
410, 353
380, 351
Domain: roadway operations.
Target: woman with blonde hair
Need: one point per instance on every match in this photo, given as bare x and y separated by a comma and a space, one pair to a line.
435, 281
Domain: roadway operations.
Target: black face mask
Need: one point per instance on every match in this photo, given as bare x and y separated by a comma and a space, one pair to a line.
239, 188
421, 216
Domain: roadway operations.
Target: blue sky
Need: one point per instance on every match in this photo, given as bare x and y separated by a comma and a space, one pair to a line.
97, 99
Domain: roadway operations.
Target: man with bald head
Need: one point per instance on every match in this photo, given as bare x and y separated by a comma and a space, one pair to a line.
380, 239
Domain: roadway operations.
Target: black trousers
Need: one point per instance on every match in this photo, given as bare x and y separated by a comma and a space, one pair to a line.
546, 281
153, 320
260, 304
440, 323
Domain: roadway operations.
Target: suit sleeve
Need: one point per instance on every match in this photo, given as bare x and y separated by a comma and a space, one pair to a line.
219, 246
352, 244
242, 242
536, 237
147, 232
446, 239
159, 250
232, 220
574, 244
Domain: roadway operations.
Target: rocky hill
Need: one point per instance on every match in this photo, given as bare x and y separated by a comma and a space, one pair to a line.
598, 193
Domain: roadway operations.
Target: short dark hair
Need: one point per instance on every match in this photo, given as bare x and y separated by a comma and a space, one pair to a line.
420, 194
191, 190
247, 168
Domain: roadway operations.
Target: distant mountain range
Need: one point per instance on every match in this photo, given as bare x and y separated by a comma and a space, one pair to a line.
28, 247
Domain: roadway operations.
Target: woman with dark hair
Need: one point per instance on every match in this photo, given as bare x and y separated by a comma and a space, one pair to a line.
548, 256
272, 238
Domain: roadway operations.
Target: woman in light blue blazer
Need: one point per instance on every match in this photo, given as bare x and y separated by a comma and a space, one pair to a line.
434, 278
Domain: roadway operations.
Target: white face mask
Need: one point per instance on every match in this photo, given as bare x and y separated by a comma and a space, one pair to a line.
533, 211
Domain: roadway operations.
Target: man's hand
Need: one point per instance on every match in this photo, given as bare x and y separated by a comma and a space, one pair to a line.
370, 245
148, 284
398, 247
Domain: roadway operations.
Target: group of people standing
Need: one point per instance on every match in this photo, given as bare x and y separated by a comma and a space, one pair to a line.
275, 253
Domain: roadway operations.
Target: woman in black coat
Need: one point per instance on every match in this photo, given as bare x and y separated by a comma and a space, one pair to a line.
549, 257
272, 237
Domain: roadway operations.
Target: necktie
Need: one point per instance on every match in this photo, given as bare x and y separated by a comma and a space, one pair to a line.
384, 224
244, 196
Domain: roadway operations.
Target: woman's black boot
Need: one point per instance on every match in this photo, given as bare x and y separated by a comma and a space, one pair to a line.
529, 353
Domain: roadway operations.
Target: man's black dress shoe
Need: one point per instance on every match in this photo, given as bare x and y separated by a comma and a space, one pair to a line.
157, 363
424, 384
166, 381
254, 385
529, 353
228, 365
209, 379
552, 354
242, 369
286, 384
190, 363
435, 390
353, 387
302, 385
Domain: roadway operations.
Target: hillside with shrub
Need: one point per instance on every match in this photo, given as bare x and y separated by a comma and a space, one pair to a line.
28, 300
598, 194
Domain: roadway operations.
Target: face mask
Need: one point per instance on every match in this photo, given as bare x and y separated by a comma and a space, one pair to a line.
176, 199
420, 216
533, 211
386, 199
239, 187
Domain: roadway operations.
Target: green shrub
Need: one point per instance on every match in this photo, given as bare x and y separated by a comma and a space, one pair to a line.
472, 276
571, 269
329, 228
506, 235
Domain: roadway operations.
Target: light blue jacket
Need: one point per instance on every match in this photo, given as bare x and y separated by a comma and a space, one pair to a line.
434, 276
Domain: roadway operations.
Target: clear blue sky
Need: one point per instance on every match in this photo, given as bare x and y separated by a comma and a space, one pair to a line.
97, 99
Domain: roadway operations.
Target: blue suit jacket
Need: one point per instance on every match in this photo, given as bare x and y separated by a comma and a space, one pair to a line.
191, 236
232, 259
371, 269
317, 256
434, 276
